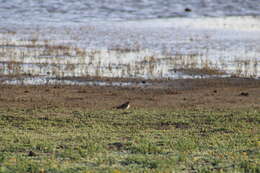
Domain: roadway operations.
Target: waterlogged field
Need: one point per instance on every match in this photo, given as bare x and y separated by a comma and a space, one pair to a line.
137, 140
150, 49
45, 58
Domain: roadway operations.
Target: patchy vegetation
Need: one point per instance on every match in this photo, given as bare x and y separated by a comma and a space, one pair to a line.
137, 140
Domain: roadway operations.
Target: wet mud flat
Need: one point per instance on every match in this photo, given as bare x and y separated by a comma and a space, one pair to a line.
215, 94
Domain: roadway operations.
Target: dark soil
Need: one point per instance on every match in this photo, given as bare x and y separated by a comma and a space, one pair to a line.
178, 94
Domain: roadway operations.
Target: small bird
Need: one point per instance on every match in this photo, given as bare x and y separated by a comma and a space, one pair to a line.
123, 106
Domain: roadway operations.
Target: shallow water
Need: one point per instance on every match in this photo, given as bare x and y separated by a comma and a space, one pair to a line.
81, 11
41, 80
67, 38
159, 48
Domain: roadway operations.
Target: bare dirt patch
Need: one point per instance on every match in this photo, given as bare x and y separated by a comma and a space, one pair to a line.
179, 94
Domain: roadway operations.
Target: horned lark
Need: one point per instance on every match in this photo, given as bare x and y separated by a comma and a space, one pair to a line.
126, 105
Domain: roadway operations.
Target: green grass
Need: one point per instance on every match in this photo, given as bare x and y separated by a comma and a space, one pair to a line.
139, 140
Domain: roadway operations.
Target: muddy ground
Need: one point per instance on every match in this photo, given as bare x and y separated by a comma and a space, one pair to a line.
178, 94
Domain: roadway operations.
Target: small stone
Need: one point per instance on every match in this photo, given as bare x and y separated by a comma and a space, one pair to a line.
244, 94
31, 154
116, 145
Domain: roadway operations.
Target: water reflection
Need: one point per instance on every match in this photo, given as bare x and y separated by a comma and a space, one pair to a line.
41, 80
